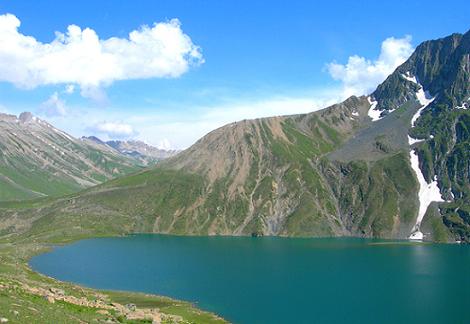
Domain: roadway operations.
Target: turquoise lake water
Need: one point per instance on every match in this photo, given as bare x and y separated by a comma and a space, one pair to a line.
279, 280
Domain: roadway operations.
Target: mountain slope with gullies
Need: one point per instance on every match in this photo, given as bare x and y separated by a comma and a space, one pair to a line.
270, 176
389, 165
37, 159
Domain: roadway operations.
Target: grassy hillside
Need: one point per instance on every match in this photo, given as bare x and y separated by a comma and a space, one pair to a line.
37, 160
271, 176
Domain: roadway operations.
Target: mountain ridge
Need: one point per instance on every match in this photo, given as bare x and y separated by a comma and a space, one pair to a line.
142, 151
37, 159
345, 170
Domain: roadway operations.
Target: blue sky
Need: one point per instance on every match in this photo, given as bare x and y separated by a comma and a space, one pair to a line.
238, 59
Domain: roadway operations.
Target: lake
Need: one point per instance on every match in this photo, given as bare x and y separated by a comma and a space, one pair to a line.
279, 280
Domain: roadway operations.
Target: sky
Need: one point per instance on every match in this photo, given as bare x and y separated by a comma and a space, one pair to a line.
168, 72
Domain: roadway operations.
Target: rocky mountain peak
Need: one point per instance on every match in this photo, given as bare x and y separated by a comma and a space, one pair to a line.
441, 67
26, 117
138, 149
7, 117
93, 139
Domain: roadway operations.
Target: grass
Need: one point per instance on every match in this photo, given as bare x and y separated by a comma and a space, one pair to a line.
166, 305
28, 179
308, 219
380, 197
19, 305
163, 193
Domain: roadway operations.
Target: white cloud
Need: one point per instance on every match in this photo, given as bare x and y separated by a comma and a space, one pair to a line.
164, 144
112, 130
80, 57
69, 89
360, 76
97, 94
182, 127
54, 106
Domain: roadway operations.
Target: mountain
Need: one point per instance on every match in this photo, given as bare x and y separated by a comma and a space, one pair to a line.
145, 154
393, 164
141, 151
438, 73
37, 159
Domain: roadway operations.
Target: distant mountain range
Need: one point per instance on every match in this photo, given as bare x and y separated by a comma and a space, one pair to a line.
37, 159
146, 154
394, 164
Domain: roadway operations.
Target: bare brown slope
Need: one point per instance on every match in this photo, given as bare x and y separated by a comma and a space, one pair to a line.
268, 176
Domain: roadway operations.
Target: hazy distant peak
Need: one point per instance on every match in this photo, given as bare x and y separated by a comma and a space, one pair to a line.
26, 117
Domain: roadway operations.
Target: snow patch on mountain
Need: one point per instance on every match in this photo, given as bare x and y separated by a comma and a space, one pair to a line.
412, 140
372, 113
410, 78
424, 99
428, 192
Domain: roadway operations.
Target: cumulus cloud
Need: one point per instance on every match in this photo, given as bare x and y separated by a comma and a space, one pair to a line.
54, 106
164, 144
360, 76
80, 57
113, 130
97, 94
69, 89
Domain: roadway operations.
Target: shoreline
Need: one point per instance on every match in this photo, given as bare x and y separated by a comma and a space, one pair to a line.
17, 251
20, 282
375, 246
